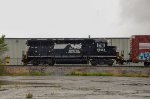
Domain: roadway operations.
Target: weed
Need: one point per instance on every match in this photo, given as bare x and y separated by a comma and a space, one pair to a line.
79, 73
38, 74
52, 93
32, 74
2, 70
29, 95
89, 74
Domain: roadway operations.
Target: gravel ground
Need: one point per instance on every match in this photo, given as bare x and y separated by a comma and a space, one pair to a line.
74, 87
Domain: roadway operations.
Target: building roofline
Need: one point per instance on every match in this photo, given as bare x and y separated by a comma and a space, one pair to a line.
76, 38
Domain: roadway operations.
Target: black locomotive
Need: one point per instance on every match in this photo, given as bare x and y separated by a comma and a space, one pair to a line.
69, 51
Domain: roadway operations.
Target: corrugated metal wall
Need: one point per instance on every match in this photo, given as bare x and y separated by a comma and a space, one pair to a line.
123, 44
17, 45
15, 48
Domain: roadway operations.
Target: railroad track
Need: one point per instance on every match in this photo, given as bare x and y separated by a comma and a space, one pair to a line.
76, 66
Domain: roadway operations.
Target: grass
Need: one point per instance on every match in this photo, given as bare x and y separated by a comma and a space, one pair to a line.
2, 70
26, 73
79, 73
3, 73
33, 74
39, 74
29, 96
30, 74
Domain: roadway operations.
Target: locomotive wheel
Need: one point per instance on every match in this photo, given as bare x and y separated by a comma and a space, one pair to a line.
35, 63
51, 63
110, 62
93, 62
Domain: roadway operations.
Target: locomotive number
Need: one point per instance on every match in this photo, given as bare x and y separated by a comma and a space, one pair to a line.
73, 51
100, 47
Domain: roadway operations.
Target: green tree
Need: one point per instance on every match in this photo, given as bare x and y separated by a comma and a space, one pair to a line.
3, 47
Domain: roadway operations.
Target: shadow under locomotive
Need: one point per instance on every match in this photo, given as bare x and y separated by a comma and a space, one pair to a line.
69, 51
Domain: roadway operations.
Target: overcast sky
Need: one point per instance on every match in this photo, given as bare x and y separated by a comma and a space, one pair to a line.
74, 18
